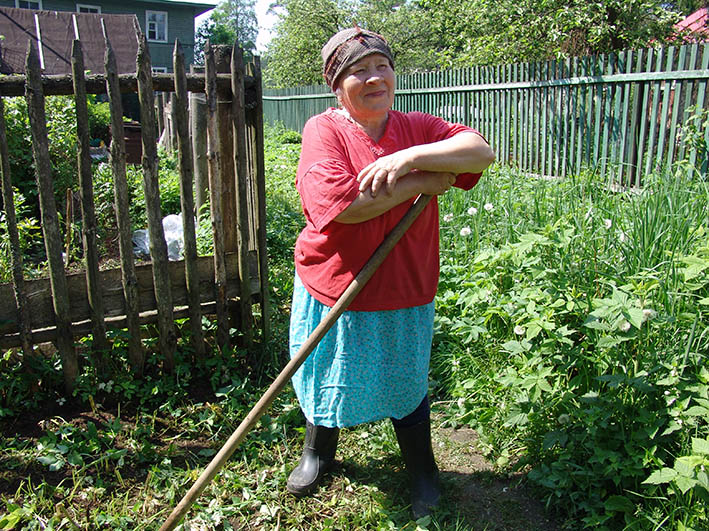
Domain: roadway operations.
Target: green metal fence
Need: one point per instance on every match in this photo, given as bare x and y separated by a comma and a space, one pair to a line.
622, 115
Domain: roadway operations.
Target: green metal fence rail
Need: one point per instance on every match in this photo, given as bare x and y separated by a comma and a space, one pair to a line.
622, 115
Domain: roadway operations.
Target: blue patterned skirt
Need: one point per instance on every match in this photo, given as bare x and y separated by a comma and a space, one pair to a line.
369, 366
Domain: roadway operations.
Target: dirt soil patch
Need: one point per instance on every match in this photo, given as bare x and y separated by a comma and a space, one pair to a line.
487, 499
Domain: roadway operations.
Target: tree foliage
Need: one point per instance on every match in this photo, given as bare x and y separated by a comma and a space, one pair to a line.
429, 34
231, 21
304, 26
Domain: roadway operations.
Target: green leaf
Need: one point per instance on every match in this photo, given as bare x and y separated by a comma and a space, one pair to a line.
513, 347
516, 419
9, 521
700, 446
635, 316
658, 477
684, 483
619, 503
686, 464
610, 341
697, 411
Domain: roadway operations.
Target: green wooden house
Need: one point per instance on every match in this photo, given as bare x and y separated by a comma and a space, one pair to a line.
162, 21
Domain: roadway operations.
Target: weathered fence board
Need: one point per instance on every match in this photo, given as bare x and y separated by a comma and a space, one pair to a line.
18, 286
215, 199
50, 219
86, 191
39, 295
129, 282
156, 234
185, 165
54, 85
621, 115
241, 188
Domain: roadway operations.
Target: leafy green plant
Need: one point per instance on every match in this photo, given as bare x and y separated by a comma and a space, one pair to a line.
565, 311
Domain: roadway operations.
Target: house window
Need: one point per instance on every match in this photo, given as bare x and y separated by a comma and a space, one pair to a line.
156, 25
85, 8
28, 4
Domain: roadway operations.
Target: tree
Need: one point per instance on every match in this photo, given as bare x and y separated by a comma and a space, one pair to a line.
304, 26
503, 31
231, 21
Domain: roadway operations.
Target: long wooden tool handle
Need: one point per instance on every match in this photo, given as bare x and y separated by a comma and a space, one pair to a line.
280, 382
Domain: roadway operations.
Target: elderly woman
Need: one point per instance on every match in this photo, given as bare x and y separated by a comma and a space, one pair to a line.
361, 167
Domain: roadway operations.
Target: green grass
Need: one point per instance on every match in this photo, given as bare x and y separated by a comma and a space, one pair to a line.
571, 335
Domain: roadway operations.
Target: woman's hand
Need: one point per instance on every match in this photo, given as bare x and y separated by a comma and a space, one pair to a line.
435, 182
384, 171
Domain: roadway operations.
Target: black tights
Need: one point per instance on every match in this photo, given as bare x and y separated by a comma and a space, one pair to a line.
418, 415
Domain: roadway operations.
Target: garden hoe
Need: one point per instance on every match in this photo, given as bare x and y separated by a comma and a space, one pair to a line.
308, 346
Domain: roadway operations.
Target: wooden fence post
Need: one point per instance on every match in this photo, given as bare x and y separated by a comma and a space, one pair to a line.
241, 176
50, 222
86, 190
215, 197
158, 247
198, 128
255, 124
181, 126
18, 280
129, 279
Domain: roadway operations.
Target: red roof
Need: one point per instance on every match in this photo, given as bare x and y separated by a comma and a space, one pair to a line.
695, 26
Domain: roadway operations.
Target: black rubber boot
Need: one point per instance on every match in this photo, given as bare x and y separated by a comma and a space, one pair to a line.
415, 444
318, 456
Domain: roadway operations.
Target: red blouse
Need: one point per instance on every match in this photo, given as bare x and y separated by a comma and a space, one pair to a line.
328, 254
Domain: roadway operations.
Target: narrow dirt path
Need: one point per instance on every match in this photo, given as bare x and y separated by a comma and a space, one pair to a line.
484, 498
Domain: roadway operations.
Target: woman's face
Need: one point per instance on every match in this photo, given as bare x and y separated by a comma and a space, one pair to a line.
366, 88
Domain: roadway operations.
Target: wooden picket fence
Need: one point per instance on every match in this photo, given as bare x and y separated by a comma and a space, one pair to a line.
64, 307
622, 115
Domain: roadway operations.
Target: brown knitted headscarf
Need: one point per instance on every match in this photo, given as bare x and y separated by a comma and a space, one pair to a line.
347, 47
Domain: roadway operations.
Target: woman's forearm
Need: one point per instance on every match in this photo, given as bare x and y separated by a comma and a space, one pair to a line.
462, 153
366, 207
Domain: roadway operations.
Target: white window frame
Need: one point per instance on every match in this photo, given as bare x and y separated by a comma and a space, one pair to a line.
147, 25
17, 3
159, 69
88, 6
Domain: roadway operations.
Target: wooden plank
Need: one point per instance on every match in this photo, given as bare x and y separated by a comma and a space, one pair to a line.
83, 328
597, 106
678, 94
545, 118
50, 220
39, 293
635, 125
215, 201
185, 166
227, 169
56, 85
158, 247
663, 115
573, 106
88, 213
654, 116
607, 123
260, 201
689, 95
238, 115
198, 121
624, 112
136, 356
18, 282
701, 94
